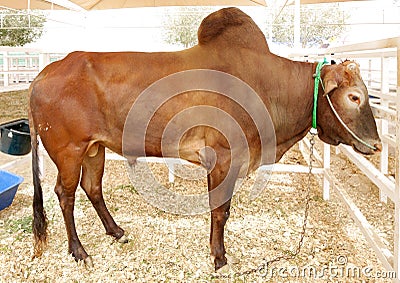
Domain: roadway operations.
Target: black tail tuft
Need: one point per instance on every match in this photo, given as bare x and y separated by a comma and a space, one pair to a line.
39, 215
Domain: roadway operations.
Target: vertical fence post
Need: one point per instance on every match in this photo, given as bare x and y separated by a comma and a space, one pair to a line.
171, 170
327, 167
5, 68
44, 60
296, 35
369, 83
396, 266
384, 129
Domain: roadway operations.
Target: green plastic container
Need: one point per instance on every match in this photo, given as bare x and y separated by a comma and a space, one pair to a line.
15, 137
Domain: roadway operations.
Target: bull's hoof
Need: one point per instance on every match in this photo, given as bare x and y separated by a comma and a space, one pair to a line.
218, 262
88, 262
223, 265
118, 234
123, 240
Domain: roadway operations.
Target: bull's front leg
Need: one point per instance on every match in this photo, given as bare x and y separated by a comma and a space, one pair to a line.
219, 216
220, 185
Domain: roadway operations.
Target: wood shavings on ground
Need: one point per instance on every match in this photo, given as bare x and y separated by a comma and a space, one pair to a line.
164, 247
167, 247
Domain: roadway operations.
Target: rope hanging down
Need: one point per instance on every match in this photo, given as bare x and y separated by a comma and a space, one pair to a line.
263, 269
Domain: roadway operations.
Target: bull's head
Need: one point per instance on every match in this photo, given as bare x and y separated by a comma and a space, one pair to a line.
349, 96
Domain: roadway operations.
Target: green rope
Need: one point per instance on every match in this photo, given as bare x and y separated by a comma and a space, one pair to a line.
317, 78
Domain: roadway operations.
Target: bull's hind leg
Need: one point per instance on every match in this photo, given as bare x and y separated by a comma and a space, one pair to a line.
67, 181
91, 182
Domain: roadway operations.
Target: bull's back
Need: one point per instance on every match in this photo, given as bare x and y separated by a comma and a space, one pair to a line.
87, 95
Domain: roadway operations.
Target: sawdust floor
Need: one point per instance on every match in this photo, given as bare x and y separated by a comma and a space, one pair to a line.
165, 247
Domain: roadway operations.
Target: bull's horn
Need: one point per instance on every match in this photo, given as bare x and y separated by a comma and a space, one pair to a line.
352, 66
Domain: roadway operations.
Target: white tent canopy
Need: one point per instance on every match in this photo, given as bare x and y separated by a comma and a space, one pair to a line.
38, 5
118, 4
324, 1
88, 5
32, 4
115, 4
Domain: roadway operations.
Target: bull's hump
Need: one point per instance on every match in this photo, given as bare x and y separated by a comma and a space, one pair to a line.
230, 27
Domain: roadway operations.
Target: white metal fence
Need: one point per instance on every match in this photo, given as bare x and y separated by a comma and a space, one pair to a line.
380, 67
380, 63
22, 65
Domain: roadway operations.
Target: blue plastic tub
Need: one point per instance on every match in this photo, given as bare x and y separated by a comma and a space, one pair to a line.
8, 187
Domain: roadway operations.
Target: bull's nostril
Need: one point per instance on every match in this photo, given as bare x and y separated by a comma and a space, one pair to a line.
378, 147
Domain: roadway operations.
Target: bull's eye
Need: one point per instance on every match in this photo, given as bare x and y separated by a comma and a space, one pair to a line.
354, 98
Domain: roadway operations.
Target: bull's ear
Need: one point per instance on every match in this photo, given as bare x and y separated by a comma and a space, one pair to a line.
329, 85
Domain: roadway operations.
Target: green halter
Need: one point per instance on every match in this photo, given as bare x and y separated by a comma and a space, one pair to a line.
317, 78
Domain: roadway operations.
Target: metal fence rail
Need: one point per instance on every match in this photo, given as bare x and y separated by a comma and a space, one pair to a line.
19, 65
380, 66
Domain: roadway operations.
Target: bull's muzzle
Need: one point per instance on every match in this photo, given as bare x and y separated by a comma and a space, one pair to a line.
378, 147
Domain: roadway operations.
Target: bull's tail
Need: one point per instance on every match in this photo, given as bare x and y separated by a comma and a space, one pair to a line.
39, 226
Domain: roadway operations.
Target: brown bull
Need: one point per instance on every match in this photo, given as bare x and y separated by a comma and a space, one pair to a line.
79, 107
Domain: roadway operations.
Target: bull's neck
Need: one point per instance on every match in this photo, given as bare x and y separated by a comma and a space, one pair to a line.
291, 105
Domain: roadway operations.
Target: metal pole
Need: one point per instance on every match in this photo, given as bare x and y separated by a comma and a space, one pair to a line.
6, 65
384, 123
327, 167
29, 13
396, 266
297, 43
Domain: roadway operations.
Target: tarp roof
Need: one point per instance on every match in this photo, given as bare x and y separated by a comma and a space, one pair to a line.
118, 4
29, 4
113, 4
325, 1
